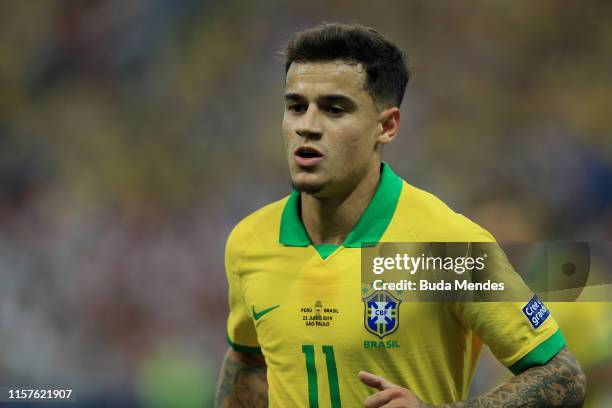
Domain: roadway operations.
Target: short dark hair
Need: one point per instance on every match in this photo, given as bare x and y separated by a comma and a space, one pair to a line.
386, 72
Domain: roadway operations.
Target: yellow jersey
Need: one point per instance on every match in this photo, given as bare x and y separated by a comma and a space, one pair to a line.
304, 308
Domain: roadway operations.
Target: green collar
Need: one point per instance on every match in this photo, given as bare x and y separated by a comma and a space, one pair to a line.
370, 227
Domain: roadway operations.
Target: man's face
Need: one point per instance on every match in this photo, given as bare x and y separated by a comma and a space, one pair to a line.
330, 126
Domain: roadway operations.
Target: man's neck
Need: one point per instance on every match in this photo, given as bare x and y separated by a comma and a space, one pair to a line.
330, 220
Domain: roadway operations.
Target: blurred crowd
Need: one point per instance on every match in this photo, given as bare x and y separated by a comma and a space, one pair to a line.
135, 134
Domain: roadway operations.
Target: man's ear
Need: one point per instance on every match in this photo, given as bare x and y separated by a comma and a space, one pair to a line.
389, 120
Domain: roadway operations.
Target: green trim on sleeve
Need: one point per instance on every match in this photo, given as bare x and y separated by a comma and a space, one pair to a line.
541, 354
243, 349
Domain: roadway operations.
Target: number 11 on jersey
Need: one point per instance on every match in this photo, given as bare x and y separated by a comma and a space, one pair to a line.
332, 376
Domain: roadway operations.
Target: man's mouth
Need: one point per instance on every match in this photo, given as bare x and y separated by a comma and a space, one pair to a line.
306, 156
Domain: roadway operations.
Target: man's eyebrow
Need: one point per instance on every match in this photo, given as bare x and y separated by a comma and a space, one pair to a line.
327, 99
293, 97
337, 98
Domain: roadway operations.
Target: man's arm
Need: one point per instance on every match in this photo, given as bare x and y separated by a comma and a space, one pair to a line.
558, 383
242, 382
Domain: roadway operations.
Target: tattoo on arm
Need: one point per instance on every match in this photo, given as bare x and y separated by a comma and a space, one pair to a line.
242, 382
559, 383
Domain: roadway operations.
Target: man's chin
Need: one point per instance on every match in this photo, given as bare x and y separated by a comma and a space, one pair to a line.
308, 187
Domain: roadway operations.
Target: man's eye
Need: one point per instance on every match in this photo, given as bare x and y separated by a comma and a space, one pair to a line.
335, 110
297, 108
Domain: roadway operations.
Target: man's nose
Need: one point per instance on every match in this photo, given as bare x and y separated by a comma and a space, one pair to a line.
309, 124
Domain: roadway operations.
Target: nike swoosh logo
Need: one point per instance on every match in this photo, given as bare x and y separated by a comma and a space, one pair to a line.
259, 315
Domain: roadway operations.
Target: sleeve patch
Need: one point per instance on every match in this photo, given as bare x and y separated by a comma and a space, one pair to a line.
536, 312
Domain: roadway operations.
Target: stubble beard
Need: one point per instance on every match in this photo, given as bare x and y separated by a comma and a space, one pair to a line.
311, 189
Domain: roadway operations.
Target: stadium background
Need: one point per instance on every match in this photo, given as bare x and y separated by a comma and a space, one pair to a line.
135, 134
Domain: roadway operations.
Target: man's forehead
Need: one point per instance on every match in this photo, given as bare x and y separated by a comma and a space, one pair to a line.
340, 75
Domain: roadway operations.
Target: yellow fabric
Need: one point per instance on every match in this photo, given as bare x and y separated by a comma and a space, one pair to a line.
437, 344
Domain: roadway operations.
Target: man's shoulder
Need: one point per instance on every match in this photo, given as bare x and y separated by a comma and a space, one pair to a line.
428, 218
262, 223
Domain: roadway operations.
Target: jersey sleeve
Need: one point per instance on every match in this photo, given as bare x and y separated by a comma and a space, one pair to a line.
510, 335
521, 334
241, 334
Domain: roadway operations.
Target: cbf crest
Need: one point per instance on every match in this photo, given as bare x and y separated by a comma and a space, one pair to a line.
381, 313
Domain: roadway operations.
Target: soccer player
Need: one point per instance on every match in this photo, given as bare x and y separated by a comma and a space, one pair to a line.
297, 329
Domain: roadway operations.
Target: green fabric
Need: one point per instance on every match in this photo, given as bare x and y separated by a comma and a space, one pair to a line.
332, 376
326, 250
243, 349
368, 230
260, 314
311, 371
541, 354
292, 232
